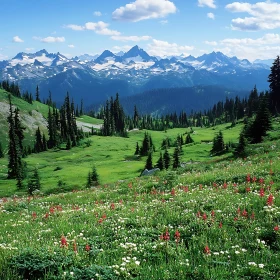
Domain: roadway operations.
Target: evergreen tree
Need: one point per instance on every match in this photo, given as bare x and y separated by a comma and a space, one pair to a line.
37, 96
38, 147
69, 143
189, 139
34, 182
149, 161
218, 144
241, 149
1, 151
89, 181
44, 141
176, 157
166, 159
160, 162
19, 131
94, 176
137, 150
82, 108
274, 85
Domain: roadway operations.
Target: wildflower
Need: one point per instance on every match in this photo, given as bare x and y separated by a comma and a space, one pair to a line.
213, 213
113, 206
261, 192
248, 189
220, 225
253, 216
87, 248
276, 228
63, 241
248, 178
244, 213
34, 215
225, 185
173, 193
261, 181
207, 250
46, 215
165, 236
177, 236
137, 262
270, 199
204, 216
261, 265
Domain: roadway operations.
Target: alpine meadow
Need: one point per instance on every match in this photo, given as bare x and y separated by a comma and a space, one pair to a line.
140, 140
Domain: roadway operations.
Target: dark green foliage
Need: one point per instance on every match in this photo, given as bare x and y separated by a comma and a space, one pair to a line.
147, 145
37, 95
39, 146
257, 129
15, 147
149, 161
160, 162
93, 178
34, 182
218, 144
68, 143
31, 264
274, 85
137, 150
1, 151
189, 139
166, 159
253, 102
241, 149
114, 118
166, 143
176, 157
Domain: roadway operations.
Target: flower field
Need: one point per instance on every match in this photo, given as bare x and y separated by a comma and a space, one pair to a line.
213, 221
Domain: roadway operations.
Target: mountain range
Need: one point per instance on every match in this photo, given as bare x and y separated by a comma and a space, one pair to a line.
95, 78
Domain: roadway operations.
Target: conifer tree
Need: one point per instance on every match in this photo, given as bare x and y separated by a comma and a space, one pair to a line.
34, 182
218, 144
38, 147
149, 161
274, 85
176, 157
94, 176
37, 95
241, 149
160, 162
137, 150
166, 159
189, 139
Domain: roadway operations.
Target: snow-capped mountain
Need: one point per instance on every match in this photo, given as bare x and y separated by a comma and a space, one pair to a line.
94, 77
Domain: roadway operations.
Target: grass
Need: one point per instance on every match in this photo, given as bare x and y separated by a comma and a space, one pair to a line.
207, 221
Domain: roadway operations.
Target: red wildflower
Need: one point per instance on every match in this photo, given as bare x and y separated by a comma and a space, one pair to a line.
87, 248
261, 181
261, 192
244, 213
254, 179
207, 250
248, 189
52, 210
173, 193
238, 211
248, 178
225, 185
213, 213
100, 221
276, 228
166, 235
63, 241
113, 206
46, 215
104, 216
215, 185
34, 215
220, 225
270, 199
177, 236
204, 216
186, 189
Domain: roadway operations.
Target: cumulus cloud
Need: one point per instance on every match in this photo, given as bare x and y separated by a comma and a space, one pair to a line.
16, 39
131, 38
211, 43
262, 15
97, 14
211, 15
143, 9
50, 39
71, 46
99, 27
265, 47
207, 3
163, 48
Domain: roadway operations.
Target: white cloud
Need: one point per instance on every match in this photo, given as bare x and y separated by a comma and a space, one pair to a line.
144, 9
71, 46
50, 39
122, 48
211, 43
3, 57
29, 49
16, 39
265, 47
211, 15
208, 3
131, 38
99, 27
163, 48
262, 15
97, 14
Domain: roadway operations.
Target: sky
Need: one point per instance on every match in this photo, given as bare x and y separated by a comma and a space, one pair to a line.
248, 29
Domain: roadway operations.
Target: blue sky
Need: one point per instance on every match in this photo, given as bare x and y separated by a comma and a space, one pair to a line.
248, 29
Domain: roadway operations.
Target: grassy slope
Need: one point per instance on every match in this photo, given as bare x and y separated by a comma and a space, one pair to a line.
113, 157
